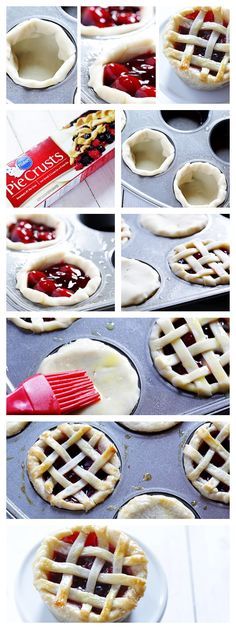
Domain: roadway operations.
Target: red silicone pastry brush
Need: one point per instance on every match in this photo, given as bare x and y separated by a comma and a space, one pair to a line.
53, 394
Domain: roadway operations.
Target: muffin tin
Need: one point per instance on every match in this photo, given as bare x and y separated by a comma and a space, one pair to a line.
155, 250
128, 335
164, 464
63, 92
94, 244
197, 136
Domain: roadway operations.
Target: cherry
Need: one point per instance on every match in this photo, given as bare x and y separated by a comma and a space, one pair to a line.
127, 83
112, 71
96, 16
34, 277
146, 91
45, 285
61, 292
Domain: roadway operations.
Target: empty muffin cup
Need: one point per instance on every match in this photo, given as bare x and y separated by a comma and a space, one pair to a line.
220, 139
200, 184
39, 54
148, 152
183, 120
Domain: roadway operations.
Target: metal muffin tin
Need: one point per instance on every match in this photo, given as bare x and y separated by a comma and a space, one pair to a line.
155, 250
191, 145
62, 92
128, 335
94, 245
158, 455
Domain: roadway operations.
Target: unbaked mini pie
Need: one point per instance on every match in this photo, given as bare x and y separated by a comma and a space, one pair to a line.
108, 21
59, 278
39, 53
90, 573
126, 73
150, 425
207, 460
139, 282
73, 466
201, 262
197, 46
38, 324
155, 506
200, 183
14, 427
33, 231
192, 353
174, 225
148, 152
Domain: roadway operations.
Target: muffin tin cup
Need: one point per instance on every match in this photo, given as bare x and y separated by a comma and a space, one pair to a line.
92, 244
190, 146
62, 92
127, 335
155, 251
164, 464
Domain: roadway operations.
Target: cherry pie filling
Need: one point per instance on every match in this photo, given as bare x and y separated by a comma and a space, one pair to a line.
198, 50
101, 589
198, 255
216, 460
137, 76
188, 339
27, 232
58, 280
105, 17
96, 147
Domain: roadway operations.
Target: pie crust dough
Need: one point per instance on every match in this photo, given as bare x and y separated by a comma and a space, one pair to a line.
158, 507
49, 259
14, 427
39, 324
200, 469
123, 119
148, 152
111, 372
174, 225
46, 219
125, 231
95, 31
112, 545
150, 425
139, 282
211, 261
39, 53
121, 53
89, 442
200, 183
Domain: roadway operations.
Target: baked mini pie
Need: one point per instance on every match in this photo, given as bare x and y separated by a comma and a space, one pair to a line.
59, 278
174, 225
200, 184
33, 231
38, 324
148, 152
125, 232
111, 372
90, 573
14, 427
206, 460
201, 262
126, 73
150, 425
197, 46
155, 506
88, 137
108, 21
73, 466
139, 282
192, 353
39, 53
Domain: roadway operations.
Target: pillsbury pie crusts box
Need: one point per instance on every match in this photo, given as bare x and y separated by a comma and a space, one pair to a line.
48, 170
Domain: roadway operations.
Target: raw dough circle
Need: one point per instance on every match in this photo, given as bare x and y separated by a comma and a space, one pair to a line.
49, 259
158, 507
38, 324
39, 53
200, 184
148, 152
41, 219
95, 31
112, 373
14, 427
174, 225
139, 282
151, 425
202, 262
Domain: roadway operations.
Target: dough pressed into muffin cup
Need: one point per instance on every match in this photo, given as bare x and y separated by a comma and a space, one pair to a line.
148, 152
200, 184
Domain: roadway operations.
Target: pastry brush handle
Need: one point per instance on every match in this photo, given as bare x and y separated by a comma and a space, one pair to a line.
33, 397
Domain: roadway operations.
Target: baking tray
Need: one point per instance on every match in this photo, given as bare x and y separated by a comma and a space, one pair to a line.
92, 244
164, 464
130, 336
155, 250
191, 144
62, 92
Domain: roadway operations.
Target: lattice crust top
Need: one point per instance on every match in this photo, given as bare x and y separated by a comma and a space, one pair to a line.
89, 125
197, 45
206, 460
73, 466
90, 574
201, 262
192, 353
